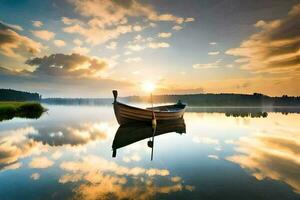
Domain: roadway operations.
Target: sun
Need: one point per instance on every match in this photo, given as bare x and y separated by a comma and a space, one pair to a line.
148, 86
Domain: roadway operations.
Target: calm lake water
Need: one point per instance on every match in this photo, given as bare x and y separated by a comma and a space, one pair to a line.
67, 154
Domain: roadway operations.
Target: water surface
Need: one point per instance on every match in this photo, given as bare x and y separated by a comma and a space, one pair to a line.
67, 154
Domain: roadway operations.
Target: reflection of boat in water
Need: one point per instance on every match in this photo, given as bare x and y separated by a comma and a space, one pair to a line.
131, 133
128, 114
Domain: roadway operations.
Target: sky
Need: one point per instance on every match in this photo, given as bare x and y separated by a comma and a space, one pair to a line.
86, 48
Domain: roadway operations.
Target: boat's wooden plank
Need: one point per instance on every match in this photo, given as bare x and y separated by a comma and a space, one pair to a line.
158, 116
149, 115
134, 116
125, 113
139, 118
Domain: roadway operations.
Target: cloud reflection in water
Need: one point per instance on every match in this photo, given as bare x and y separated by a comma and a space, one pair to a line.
73, 136
274, 156
14, 145
103, 179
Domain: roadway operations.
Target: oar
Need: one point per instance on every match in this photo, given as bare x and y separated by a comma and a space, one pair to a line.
153, 127
154, 130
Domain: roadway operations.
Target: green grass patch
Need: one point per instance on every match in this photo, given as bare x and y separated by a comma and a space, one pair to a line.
9, 110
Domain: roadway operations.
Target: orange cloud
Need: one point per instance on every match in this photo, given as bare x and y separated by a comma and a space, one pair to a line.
59, 43
40, 162
108, 19
44, 34
164, 35
275, 49
14, 45
68, 65
37, 23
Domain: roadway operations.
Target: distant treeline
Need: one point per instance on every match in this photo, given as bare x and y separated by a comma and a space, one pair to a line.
234, 100
14, 95
258, 111
209, 100
255, 99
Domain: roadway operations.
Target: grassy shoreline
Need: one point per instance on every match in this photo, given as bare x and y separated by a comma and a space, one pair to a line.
11, 109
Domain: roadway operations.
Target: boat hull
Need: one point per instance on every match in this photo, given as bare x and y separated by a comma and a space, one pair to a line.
128, 114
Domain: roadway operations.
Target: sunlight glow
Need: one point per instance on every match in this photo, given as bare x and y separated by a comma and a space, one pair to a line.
148, 86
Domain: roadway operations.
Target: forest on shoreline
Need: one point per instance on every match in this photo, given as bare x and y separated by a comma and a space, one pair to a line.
205, 99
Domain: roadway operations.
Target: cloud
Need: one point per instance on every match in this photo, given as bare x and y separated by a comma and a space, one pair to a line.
136, 72
213, 53
176, 179
135, 47
275, 48
212, 65
116, 56
69, 21
11, 26
37, 23
56, 155
137, 28
112, 45
213, 43
138, 38
189, 19
177, 28
11, 166
107, 20
190, 188
70, 178
213, 157
74, 65
206, 140
166, 17
229, 141
77, 42
59, 43
164, 35
40, 162
111, 12
81, 50
49, 83
156, 45
127, 53
35, 176
44, 34
274, 155
95, 35
131, 158
135, 59
140, 43
14, 45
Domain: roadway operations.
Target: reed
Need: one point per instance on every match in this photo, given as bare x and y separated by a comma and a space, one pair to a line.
9, 110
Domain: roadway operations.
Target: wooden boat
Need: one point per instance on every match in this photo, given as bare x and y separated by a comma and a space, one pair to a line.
130, 133
128, 114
